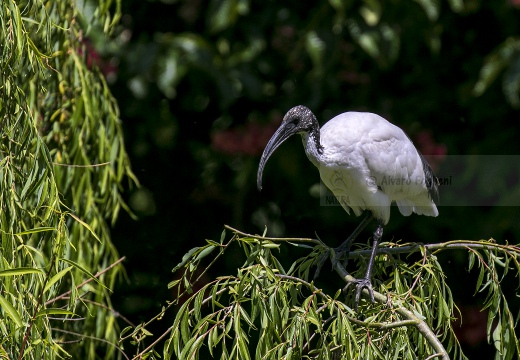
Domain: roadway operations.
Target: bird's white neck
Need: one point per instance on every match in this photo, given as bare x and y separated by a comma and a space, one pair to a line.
313, 148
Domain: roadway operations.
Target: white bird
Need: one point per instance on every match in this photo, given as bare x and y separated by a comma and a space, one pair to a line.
367, 163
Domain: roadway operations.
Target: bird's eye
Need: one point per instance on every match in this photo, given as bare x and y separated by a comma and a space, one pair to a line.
294, 122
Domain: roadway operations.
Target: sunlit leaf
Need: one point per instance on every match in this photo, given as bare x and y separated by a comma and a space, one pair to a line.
54, 311
20, 271
35, 230
11, 311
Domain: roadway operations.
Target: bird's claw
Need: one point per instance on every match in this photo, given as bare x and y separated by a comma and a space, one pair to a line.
361, 284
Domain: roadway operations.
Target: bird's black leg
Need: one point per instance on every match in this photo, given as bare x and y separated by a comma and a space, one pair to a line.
366, 282
343, 250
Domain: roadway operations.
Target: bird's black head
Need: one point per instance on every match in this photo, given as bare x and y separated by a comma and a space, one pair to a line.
298, 120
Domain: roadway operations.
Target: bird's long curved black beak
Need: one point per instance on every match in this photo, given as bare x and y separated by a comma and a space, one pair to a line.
283, 133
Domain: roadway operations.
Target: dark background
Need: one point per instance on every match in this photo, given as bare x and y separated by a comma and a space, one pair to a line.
203, 85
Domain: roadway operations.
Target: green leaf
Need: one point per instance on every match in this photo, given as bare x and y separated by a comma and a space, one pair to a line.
270, 245
56, 278
208, 250
35, 230
173, 283
186, 258
366, 39
214, 243
11, 311
82, 269
87, 226
242, 346
54, 311
20, 271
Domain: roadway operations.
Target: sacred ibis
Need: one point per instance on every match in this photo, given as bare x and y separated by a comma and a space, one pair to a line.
367, 163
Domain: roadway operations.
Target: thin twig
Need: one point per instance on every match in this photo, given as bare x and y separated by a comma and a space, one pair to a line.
435, 247
325, 323
167, 307
411, 248
69, 341
65, 319
433, 356
304, 240
418, 277
114, 312
140, 355
98, 274
92, 338
81, 166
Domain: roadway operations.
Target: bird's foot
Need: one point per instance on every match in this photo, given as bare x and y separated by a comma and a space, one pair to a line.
364, 283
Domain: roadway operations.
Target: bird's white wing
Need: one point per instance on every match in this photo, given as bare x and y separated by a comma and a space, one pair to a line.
344, 169
395, 166
398, 169
381, 162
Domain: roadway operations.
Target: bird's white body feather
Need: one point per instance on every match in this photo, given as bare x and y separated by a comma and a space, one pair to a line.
368, 163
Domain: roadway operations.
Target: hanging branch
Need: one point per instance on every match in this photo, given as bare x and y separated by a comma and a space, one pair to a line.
423, 328
297, 317
97, 275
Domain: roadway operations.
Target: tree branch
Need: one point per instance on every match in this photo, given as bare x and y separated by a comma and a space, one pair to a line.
455, 244
92, 338
398, 249
379, 326
303, 240
423, 328
410, 318
149, 347
98, 274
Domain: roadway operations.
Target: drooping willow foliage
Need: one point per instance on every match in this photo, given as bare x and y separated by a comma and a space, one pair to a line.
62, 167
270, 309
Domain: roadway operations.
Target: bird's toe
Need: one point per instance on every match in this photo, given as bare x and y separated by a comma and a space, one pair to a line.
360, 285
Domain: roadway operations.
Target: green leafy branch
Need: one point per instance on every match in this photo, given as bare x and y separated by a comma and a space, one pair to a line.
269, 312
57, 118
